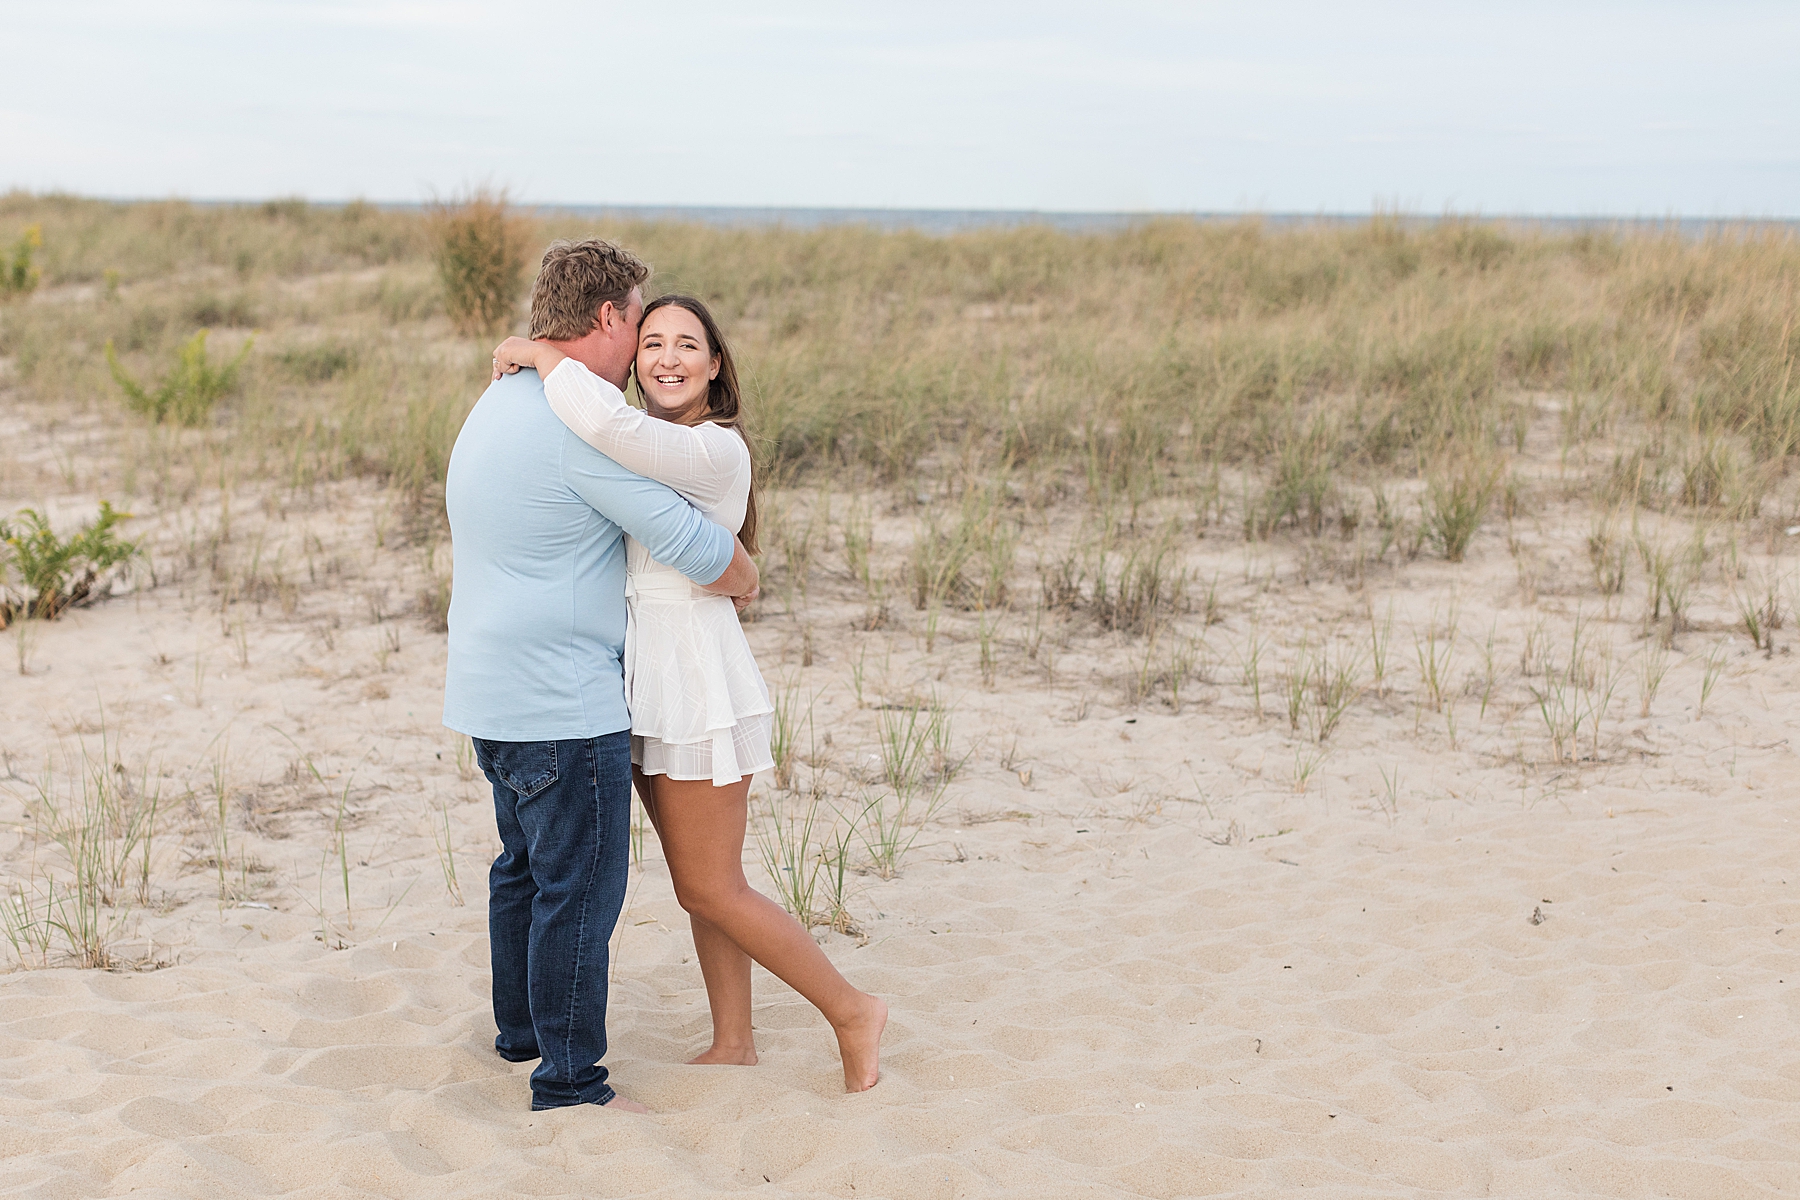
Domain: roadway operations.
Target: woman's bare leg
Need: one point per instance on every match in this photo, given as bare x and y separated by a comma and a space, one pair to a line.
724, 967
702, 831
726, 970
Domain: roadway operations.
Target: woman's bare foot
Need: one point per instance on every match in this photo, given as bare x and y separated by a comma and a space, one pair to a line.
859, 1043
725, 1056
624, 1104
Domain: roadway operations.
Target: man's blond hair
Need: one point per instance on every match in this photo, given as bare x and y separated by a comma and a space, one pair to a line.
574, 280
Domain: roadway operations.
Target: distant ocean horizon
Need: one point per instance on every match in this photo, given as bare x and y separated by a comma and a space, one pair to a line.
962, 220
959, 220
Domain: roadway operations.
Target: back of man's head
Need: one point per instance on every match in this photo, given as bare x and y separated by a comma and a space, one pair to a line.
575, 279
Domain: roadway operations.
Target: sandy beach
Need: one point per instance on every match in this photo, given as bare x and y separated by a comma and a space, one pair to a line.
1136, 952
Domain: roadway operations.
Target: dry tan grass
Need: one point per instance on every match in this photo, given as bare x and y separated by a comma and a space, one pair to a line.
1116, 366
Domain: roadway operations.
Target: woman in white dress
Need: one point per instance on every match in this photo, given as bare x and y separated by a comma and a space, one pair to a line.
700, 712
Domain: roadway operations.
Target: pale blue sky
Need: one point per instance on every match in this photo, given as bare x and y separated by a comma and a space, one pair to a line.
1639, 108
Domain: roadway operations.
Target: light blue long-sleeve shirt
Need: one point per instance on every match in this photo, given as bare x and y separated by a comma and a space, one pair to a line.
537, 610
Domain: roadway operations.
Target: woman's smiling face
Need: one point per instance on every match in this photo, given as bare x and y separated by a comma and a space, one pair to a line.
675, 367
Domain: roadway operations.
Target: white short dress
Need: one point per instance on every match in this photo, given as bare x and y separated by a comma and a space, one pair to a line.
699, 707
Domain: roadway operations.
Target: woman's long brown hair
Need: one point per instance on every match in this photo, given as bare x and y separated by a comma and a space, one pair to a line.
724, 402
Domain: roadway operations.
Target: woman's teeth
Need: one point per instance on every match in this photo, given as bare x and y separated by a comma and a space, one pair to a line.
670, 380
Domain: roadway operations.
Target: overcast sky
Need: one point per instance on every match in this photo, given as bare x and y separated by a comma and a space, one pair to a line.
1639, 108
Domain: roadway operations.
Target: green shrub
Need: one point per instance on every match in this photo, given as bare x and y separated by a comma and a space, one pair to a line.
60, 573
18, 274
479, 248
188, 392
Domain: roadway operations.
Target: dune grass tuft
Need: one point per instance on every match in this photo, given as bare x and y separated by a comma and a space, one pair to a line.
480, 249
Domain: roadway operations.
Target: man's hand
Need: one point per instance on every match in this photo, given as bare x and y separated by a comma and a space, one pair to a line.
743, 602
740, 579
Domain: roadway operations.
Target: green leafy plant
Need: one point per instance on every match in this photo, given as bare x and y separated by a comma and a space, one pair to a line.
18, 274
60, 573
917, 765
190, 389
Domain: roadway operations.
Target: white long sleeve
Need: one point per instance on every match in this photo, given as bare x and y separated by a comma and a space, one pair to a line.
707, 463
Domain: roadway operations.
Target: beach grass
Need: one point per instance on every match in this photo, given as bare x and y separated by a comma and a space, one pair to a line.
1308, 362
93, 825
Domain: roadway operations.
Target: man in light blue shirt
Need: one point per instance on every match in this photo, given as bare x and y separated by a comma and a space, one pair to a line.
537, 626
537, 616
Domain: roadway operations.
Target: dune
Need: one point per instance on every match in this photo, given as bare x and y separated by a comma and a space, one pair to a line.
1283, 711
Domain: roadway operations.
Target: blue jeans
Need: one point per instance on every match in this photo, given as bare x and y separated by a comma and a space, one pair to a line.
554, 895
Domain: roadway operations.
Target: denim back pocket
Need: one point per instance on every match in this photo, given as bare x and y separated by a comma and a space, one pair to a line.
525, 767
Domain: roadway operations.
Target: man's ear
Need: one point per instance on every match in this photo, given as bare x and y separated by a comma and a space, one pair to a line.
605, 316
